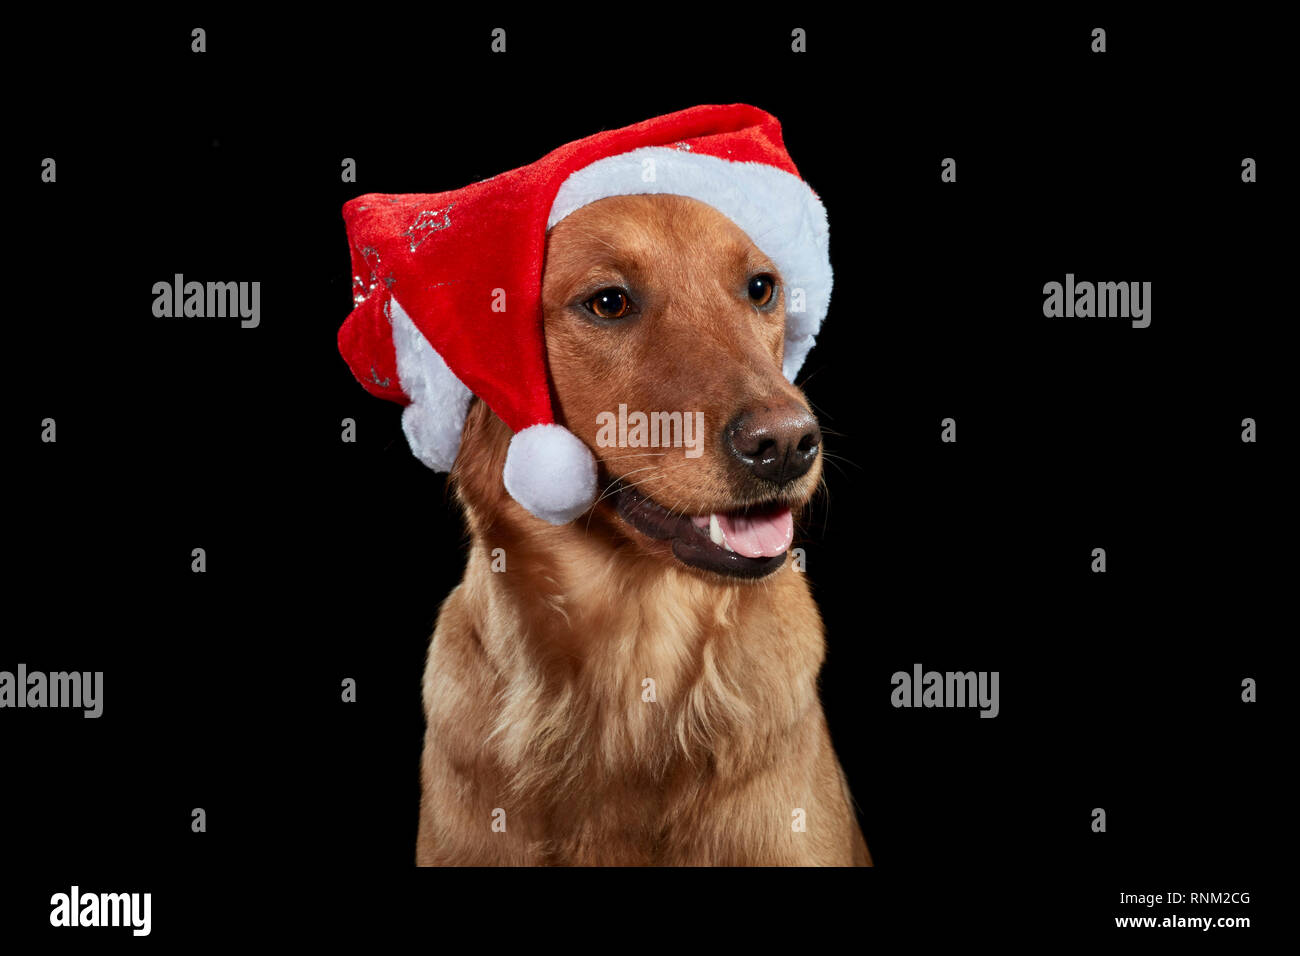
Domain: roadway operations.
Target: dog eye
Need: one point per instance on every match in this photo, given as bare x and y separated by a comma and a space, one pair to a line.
611, 303
761, 289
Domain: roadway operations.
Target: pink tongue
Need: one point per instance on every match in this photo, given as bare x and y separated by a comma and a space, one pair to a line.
759, 536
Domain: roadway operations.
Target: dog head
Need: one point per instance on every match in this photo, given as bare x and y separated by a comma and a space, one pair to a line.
665, 327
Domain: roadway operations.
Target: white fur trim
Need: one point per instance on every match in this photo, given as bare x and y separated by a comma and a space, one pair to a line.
777, 210
550, 472
433, 421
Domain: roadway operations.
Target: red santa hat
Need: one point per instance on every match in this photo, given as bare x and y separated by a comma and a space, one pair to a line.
447, 286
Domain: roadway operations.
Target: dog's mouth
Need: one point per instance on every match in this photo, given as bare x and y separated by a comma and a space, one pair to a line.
749, 542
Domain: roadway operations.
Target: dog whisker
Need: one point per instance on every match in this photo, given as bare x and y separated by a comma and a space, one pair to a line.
619, 483
633, 484
803, 382
824, 485
836, 459
609, 490
647, 454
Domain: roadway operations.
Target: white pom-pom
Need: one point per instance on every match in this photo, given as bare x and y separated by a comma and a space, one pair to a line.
550, 472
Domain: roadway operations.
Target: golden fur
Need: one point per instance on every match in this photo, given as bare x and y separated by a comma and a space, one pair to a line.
533, 687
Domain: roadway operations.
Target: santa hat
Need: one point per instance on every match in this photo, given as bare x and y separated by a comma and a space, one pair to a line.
447, 286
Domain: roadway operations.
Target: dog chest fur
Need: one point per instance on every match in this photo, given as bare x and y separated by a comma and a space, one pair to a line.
534, 704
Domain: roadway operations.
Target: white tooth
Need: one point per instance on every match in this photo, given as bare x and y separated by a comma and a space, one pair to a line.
715, 531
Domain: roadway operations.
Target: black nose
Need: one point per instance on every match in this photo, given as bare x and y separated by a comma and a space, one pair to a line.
777, 443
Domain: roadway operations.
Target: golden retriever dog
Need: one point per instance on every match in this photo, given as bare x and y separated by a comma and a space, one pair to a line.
634, 690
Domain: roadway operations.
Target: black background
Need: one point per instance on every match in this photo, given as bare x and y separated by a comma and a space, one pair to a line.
329, 560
